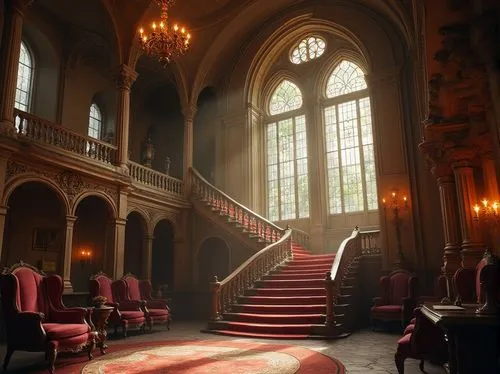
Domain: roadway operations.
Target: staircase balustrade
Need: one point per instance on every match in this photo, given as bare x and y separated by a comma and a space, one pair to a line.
153, 178
226, 292
370, 244
300, 237
246, 220
36, 129
349, 250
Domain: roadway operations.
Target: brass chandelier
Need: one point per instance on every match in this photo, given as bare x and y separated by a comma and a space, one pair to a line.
164, 42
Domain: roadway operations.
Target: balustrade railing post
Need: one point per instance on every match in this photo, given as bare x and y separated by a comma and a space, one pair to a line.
216, 304
330, 288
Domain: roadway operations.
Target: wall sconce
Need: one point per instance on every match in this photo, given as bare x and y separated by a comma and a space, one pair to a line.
85, 257
487, 211
395, 204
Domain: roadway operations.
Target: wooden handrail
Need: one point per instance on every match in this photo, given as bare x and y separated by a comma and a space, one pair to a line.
300, 237
349, 250
249, 221
225, 292
37, 129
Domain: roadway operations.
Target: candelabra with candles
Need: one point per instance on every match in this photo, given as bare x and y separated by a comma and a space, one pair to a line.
395, 204
85, 258
488, 211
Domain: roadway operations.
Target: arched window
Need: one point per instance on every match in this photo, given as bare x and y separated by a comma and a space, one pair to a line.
286, 148
308, 49
95, 122
349, 142
24, 85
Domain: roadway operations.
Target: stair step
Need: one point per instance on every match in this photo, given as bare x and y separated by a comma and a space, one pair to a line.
258, 335
308, 267
276, 319
310, 261
285, 292
278, 276
283, 271
279, 308
282, 300
266, 328
290, 283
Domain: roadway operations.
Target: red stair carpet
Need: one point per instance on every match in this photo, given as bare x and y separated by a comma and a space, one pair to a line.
285, 304
202, 357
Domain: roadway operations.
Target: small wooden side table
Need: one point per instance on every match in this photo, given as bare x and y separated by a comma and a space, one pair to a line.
100, 321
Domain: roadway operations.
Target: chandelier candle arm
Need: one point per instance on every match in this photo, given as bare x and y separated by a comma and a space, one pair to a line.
164, 42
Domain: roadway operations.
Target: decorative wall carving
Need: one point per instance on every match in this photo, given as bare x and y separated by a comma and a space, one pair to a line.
71, 183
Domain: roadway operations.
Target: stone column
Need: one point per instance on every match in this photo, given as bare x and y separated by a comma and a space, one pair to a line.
125, 77
119, 248
148, 256
451, 225
189, 113
68, 253
11, 47
472, 245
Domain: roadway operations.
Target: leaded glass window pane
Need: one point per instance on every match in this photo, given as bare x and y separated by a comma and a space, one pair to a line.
24, 83
286, 97
95, 122
308, 49
287, 170
352, 185
346, 78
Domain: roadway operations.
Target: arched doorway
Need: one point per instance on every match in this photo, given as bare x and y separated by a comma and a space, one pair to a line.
93, 241
35, 228
162, 267
134, 254
214, 258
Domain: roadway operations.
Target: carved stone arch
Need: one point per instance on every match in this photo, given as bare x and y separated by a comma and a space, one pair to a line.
327, 69
87, 47
26, 178
107, 198
170, 218
116, 35
272, 84
201, 241
145, 215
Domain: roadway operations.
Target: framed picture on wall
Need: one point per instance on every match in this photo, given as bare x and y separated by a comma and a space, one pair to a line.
45, 239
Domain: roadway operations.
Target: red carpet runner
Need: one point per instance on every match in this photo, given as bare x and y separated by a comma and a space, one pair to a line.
286, 303
203, 357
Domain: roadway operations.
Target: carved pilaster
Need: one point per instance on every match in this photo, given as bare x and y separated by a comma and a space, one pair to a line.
472, 245
119, 248
188, 113
125, 77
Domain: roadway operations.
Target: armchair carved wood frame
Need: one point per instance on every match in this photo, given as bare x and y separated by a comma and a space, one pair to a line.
130, 288
35, 318
126, 314
398, 298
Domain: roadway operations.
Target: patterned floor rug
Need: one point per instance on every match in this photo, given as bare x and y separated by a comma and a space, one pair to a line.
204, 357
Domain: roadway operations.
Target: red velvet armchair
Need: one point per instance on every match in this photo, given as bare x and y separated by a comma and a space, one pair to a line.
425, 342
398, 299
146, 290
126, 314
36, 319
129, 289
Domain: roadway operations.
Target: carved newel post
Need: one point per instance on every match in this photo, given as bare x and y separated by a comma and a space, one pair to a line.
216, 302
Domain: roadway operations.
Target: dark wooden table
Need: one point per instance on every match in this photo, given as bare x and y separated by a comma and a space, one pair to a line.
472, 338
100, 321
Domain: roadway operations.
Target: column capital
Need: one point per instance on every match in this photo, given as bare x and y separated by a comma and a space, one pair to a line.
189, 111
120, 221
461, 157
442, 171
125, 76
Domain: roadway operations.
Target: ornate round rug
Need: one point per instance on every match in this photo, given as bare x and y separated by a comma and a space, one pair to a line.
205, 357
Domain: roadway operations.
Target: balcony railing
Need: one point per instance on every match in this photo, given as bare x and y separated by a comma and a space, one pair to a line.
42, 131
155, 179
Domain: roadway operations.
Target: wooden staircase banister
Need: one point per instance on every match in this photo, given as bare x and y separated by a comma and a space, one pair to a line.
226, 291
349, 250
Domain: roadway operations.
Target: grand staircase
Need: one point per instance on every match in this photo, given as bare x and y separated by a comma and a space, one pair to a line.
283, 291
